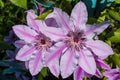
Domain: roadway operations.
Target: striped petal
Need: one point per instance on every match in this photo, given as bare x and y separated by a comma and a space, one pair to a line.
54, 67
31, 20
78, 74
79, 15
102, 64
53, 56
98, 74
52, 32
35, 63
97, 29
19, 43
114, 77
24, 32
68, 63
111, 72
25, 53
100, 48
61, 18
87, 62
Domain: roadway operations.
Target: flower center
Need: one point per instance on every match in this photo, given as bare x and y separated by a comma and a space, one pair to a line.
41, 41
76, 39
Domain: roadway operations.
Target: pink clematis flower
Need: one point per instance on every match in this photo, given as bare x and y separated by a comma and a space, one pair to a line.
113, 74
77, 44
35, 45
79, 73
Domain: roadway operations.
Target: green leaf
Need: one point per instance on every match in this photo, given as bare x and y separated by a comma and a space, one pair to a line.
43, 16
115, 36
12, 70
92, 20
66, 6
45, 3
1, 3
117, 1
9, 64
3, 64
114, 15
39, 77
44, 72
4, 45
20, 3
116, 59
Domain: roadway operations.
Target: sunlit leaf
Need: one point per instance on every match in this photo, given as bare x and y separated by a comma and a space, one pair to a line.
42, 16
1, 3
115, 36
20, 3
39, 77
117, 1
116, 59
44, 71
114, 15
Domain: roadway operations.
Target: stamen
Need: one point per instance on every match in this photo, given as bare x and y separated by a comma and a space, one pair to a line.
75, 40
42, 41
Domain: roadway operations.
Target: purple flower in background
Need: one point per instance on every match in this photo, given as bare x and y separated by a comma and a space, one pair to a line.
11, 38
113, 74
18, 75
76, 41
79, 73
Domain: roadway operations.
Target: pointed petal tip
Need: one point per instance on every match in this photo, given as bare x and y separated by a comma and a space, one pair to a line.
87, 62
33, 73
19, 58
107, 22
15, 27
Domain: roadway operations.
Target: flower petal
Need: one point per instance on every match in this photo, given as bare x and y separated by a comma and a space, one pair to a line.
68, 63
53, 56
114, 77
111, 72
51, 22
54, 67
52, 32
25, 53
102, 64
78, 74
79, 15
35, 63
97, 29
87, 62
100, 48
24, 33
61, 18
19, 43
31, 20
11, 54
98, 73
27, 64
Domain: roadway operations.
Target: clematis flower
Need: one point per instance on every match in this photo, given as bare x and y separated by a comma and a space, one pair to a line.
113, 74
79, 73
35, 45
77, 44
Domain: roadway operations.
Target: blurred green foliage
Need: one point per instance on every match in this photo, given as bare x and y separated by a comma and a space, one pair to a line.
13, 12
